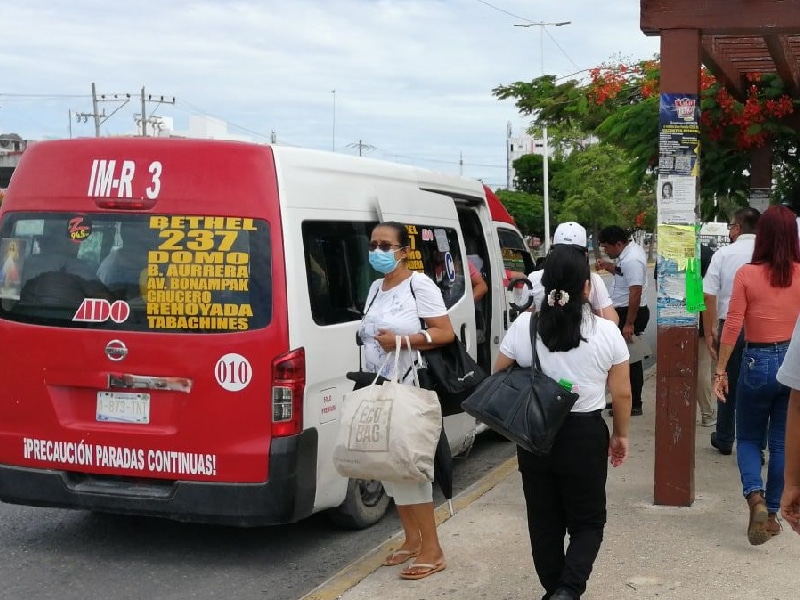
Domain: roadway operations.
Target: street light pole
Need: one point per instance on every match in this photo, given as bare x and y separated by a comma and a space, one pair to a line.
333, 136
545, 139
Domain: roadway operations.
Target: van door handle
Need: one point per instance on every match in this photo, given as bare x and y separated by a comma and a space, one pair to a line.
505, 319
463, 333
127, 381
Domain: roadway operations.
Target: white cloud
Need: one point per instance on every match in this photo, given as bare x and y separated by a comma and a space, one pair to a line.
412, 77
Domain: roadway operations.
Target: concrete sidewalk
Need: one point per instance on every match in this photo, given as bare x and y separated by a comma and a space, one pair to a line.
648, 552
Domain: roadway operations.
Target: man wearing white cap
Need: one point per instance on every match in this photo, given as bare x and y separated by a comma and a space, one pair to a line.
573, 234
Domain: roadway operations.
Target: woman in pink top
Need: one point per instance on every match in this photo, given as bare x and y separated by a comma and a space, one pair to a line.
766, 300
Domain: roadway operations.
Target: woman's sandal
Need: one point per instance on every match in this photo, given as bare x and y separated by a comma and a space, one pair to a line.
410, 573
398, 557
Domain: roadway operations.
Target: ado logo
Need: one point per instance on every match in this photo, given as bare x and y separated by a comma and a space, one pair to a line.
233, 372
99, 310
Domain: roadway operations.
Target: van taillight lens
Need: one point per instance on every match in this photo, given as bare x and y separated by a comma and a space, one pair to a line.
288, 387
126, 203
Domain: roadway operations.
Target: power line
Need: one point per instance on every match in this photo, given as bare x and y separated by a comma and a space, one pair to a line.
201, 111
503, 10
12, 95
550, 35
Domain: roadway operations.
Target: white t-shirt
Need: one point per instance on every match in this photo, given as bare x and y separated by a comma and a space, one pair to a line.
586, 366
598, 294
632, 270
397, 311
789, 373
722, 270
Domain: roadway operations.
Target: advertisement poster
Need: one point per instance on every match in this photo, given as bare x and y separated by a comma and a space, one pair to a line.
677, 198
679, 135
676, 248
759, 199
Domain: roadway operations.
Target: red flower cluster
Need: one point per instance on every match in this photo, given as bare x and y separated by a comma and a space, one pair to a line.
748, 124
749, 120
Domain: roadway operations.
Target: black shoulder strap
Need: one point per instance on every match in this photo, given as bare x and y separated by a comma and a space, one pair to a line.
414, 296
371, 302
535, 365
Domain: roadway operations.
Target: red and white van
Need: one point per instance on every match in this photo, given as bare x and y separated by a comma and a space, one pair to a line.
177, 318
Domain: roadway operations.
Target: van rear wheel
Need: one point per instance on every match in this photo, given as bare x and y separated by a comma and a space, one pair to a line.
365, 504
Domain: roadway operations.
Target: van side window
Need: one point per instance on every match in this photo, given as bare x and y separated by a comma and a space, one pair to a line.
337, 269
436, 252
516, 256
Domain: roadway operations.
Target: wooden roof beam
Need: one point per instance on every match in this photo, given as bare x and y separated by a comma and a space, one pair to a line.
727, 74
721, 17
785, 62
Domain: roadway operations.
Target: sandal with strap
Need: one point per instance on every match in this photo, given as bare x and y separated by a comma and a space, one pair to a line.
398, 557
430, 569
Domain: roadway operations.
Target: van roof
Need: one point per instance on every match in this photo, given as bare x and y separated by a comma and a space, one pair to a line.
497, 209
63, 169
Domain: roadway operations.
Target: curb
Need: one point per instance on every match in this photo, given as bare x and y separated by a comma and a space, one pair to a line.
361, 568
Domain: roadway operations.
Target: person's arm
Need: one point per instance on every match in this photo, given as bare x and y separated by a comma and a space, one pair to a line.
502, 362
479, 287
733, 325
634, 298
600, 300
610, 313
790, 500
619, 384
709, 317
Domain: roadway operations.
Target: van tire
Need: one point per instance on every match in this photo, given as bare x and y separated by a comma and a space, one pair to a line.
364, 505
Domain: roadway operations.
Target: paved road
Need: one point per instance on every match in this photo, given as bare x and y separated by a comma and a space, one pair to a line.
68, 555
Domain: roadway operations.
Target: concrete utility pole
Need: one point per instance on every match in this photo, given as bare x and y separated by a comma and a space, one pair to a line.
100, 117
145, 98
545, 140
95, 114
333, 134
361, 145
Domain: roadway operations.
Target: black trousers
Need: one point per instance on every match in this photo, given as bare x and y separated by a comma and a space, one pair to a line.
637, 369
565, 492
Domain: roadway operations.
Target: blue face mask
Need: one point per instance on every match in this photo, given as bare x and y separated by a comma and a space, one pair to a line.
383, 262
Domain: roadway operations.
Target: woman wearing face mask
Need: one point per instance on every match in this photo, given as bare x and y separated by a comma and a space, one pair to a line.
392, 310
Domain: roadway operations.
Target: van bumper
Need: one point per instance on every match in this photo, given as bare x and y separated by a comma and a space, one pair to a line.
287, 497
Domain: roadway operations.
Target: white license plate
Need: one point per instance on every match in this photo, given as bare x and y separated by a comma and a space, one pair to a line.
123, 407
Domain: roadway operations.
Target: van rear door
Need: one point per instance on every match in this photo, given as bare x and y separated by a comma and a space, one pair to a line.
144, 321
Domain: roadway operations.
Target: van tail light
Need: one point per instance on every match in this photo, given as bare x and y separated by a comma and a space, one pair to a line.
126, 203
288, 388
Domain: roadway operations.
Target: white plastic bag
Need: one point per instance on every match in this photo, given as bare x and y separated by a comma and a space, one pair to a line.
389, 432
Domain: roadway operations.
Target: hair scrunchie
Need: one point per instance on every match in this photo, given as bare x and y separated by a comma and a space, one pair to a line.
559, 297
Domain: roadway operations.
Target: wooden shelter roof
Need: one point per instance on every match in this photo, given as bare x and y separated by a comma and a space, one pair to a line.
739, 36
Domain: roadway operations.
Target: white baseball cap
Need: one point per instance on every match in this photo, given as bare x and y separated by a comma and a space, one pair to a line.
570, 233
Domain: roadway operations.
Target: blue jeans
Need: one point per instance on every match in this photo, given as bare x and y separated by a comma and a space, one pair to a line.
726, 411
762, 403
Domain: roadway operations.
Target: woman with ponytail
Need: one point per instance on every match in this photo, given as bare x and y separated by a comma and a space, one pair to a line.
565, 492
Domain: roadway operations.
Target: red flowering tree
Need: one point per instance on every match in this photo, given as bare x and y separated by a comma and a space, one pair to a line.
619, 104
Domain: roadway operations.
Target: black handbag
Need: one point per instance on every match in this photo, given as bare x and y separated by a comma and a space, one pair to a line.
524, 405
450, 372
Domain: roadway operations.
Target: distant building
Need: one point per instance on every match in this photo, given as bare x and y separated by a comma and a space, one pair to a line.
11, 148
518, 146
203, 127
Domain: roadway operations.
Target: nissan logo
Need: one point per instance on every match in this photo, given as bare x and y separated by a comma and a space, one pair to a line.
116, 350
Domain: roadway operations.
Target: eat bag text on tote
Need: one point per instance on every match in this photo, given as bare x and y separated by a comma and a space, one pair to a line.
389, 432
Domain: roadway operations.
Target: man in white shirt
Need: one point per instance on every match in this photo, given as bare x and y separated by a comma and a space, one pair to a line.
628, 295
717, 290
573, 234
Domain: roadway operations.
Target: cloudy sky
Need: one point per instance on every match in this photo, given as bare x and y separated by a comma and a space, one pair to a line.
413, 78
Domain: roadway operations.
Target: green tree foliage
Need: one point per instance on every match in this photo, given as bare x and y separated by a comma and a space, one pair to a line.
596, 193
620, 103
526, 209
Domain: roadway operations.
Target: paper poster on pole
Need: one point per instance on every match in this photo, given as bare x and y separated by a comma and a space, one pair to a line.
677, 198
677, 243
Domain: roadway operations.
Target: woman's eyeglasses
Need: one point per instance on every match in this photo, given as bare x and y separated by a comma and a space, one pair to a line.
384, 246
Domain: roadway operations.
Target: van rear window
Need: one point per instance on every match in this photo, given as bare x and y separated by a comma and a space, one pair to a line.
133, 272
